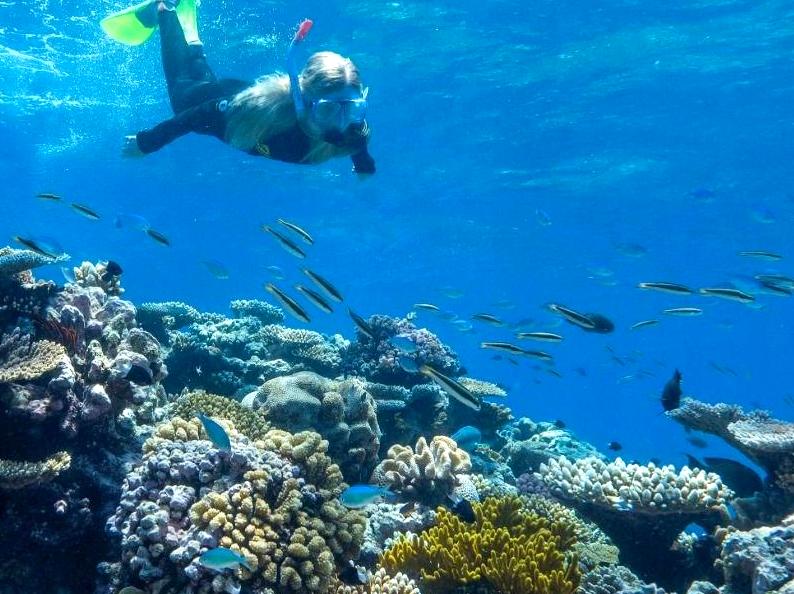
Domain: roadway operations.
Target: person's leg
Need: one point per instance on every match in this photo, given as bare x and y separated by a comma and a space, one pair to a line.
184, 65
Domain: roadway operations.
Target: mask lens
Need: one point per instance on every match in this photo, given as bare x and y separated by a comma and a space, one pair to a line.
327, 112
356, 110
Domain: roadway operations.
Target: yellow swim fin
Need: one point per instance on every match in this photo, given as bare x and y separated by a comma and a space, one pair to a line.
134, 25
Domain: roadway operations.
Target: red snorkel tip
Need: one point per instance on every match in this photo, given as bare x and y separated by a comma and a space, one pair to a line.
303, 30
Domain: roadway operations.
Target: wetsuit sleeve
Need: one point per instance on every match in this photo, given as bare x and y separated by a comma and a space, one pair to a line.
203, 118
363, 162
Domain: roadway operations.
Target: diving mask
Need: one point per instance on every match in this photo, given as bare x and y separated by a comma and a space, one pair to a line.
339, 114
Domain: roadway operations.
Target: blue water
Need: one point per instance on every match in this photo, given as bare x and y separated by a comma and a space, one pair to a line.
520, 148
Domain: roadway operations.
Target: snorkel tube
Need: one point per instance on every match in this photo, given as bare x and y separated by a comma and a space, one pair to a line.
292, 67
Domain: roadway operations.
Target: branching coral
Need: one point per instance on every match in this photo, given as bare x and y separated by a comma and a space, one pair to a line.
25, 361
18, 475
250, 423
263, 311
428, 472
511, 549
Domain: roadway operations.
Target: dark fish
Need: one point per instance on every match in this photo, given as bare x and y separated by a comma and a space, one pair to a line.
289, 303
86, 211
554, 372
361, 324
698, 442
601, 324
294, 228
741, 479
461, 508
158, 237
315, 298
48, 196
503, 346
112, 270
728, 293
354, 575
614, 446
327, 288
762, 255
693, 462
664, 287
407, 508
572, 316
451, 387
34, 246
671, 394
488, 319
285, 242
559, 424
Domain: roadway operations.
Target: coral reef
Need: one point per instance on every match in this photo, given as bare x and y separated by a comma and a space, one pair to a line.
615, 579
343, 412
93, 275
18, 475
385, 521
252, 424
427, 473
381, 583
528, 445
510, 549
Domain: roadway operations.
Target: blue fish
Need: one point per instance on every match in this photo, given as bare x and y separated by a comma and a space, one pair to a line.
402, 342
223, 558
216, 268
131, 221
467, 436
357, 496
215, 432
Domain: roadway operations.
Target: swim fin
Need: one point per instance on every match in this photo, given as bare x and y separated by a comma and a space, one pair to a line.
134, 25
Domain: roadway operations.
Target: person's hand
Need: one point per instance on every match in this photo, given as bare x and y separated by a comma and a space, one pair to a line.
130, 149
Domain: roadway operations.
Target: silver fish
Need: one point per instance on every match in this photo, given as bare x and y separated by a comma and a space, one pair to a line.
728, 293
295, 229
327, 287
315, 298
666, 288
574, 317
684, 311
542, 336
451, 387
644, 324
288, 303
285, 242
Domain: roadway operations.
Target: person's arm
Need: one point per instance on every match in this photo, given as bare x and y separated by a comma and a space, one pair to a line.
196, 119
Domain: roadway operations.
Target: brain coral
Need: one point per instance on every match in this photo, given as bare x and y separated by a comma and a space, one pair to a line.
343, 412
429, 472
513, 550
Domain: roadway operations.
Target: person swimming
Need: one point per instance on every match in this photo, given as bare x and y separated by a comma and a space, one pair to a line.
307, 117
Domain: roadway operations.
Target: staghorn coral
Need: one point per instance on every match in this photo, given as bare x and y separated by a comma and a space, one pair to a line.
513, 550
254, 308
380, 582
343, 412
428, 472
25, 361
252, 424
18, 475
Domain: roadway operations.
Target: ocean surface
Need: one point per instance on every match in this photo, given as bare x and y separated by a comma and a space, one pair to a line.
527, 153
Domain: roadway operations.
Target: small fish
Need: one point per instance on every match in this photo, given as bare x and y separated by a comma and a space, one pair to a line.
48, 196
615, 446
728, 293
407, 509
777, 279
86, 211
504, 347
294, 228
358, 496
403, 343
671, 394
461, 508
158, 237
541, 336
451, 387
361, 324
222, 558
285, 242
553, 372
327, 288
315, 298
408, 364
427, 307
216, 269
698, 442
68, 274
559, 424
601, 323
112, 270
277, 272
35, 246
488, 319
664, 287
761, 255
619, 503
216, 433
572, 316
684, 311
288, 303
644, 324
354, 575
632, 250
467, 436
133, 221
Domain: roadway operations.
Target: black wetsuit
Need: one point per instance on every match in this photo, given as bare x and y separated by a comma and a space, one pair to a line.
199, 100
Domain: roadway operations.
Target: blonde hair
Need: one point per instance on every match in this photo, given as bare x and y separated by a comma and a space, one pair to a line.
265, 109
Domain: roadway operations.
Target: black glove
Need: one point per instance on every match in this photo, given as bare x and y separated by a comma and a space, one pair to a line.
363, 162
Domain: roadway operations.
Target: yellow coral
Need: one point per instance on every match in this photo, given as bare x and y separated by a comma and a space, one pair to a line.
18, 475
250, 423
379, 583
515, 551
179, 429
42, 358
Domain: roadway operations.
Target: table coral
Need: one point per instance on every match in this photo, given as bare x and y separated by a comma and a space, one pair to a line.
511, 549
428, 472
15, 261
24, 360
343, 412
18, 475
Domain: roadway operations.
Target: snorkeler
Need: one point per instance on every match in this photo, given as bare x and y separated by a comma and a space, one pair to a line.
307, 117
